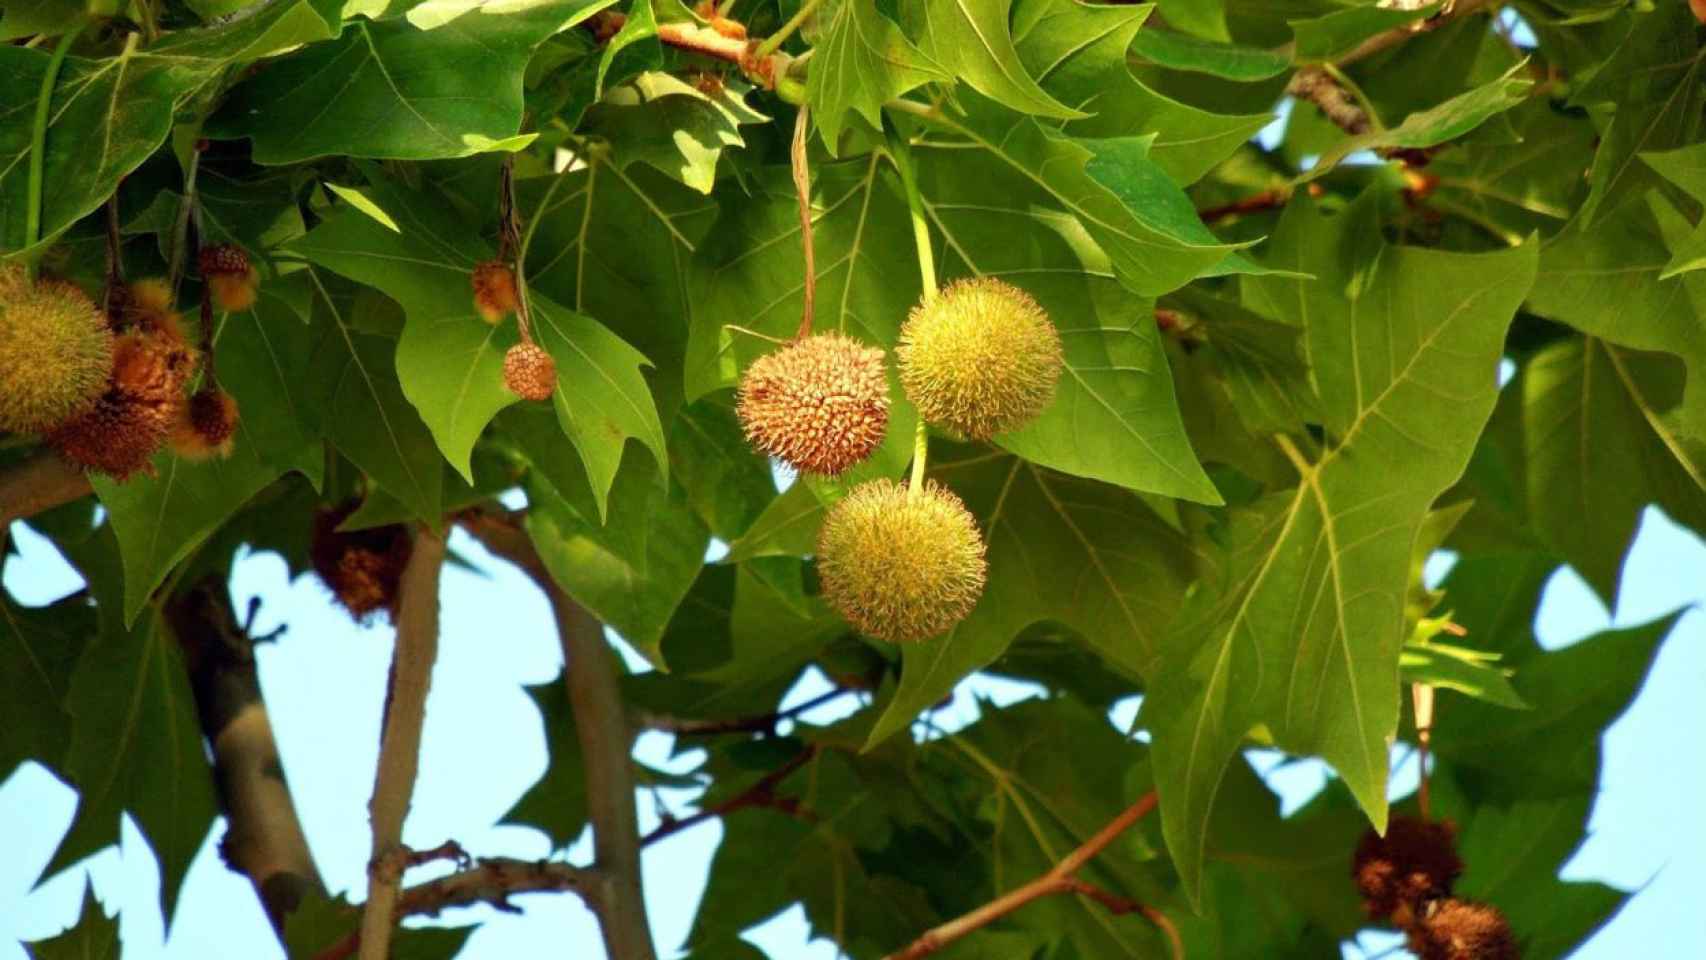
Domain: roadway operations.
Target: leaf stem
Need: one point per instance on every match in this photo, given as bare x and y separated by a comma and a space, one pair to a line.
38, 143
774, 42
1061, 878
1304, 467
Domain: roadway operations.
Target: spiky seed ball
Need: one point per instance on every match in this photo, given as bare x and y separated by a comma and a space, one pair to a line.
363, 568
1699, 8
901, 566
529, 372
494, 290
148, 306
55, 352
981, 358
820, 405
231, 279
206, 426
1414, 863
1463, 930
130, 420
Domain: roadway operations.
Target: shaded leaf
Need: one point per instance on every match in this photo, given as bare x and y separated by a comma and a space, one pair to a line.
863, 62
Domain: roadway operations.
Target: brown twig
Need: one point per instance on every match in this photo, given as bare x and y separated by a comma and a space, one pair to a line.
399, 753
1062, 878
762, 723
1254, 203
803, 187
705, 41
40, 482
115, 260
760, 794
490, 880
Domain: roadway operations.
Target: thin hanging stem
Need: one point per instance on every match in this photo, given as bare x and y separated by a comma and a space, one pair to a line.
901, 153
38, 143
181, 230
1422, 698
512, 243
774, 42
803, 187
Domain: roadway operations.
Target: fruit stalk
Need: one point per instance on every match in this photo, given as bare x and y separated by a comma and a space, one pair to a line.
901, 153
803, 187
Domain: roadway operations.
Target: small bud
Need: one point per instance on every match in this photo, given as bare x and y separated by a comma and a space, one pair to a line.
494, 290
231, 279
820, 405
207, 426
529, 372
899, 565
362, 568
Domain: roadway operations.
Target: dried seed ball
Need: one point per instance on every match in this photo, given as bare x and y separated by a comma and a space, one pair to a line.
901, 566
362, 568
494, 290
231, 279
1463, 930
981, 358
132, 417
820, 405
529, 372
206, 426
1414, 863
55, 352
147, 305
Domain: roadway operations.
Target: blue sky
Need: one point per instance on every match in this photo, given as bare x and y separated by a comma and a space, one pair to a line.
484, 745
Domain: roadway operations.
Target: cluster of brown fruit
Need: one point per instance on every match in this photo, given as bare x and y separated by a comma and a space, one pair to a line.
529, 371
363, 568
108, 391
979, 359
1406, 877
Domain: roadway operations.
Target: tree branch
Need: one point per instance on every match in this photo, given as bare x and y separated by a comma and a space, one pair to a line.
761, 723
760, 794
769, 70
491, 880
1061, 878
264, 839
606, 739
400, 744
41, 482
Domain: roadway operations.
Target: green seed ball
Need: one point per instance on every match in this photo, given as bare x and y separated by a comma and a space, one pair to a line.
981, 358
55, 352
899, 565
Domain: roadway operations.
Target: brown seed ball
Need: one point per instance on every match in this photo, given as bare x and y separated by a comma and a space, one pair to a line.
55, 352
820, 405
1699, 8
529, 372
1463, 930
494, 290
133, 416
981, 358
231, 279
1414, 863
206, 426
898, 565
363, 568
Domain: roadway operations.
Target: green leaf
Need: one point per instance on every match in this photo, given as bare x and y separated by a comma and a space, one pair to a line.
1473, 673
51, 17
1181, 51
1070, 551
1114, 417
863, 61
137, 748
641, 24
320, 922
383, 89
1685, 167
1436, 125
673, 126
1299, 627
1335, 34
970, 39
95, 937
1093, 75
1594, 453
38, 648
634, 568
727, 485
361, 408
555, 804
109, 115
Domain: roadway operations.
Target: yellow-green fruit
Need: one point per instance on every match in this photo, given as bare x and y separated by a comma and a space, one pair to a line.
980, 359
820, 405
899, 565
55, 352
